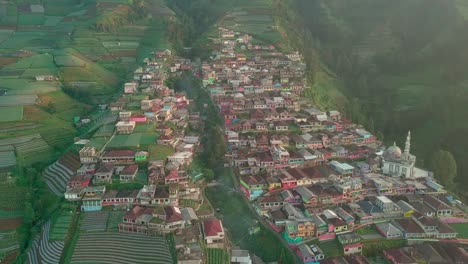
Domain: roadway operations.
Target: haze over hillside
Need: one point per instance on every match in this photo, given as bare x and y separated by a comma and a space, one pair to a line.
400, 64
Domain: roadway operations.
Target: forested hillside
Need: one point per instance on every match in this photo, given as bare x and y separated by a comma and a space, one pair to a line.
401, 64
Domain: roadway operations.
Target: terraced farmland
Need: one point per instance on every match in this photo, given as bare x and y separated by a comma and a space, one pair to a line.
61, 225
115, 248
115, 217
8, 242
44, 251
94, 221
57, 175
11, 196
217, 256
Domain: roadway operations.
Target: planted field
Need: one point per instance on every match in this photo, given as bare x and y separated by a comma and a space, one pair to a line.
115, 217
462, 229
159, 152
102, 247
12, 113
94, 221
238, 219
15, 100
36, 150
331, 248
26, 87
8, 242
10, 223
368, 230
134, 140
44, 251
59, 229
217, 256
11, 196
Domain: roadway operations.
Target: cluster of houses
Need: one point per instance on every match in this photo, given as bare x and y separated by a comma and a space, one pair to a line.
170, 200
313, 174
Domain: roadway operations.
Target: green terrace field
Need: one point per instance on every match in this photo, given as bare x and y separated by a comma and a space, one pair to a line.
159, 152
331, 248
134, 140
217, 256
57, 38
109, 247
253, 17
462, 229
11, 113
60, 226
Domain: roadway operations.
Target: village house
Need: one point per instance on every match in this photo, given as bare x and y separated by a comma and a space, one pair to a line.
118, 156
125, 127
104, 173
128, 173
92, 198
119, 198
213, 233
351, 243
88, 155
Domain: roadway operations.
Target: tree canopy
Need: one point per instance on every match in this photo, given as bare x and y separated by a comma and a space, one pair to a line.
444, 166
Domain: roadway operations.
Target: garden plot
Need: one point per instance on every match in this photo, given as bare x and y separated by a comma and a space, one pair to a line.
217, 256
8, 242
94, 221
60, 227
115, 248
133, 140
14, 100
44, 251
11, 196
12, 113
26, 87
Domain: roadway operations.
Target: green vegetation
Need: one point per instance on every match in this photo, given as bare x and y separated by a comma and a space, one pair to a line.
108, 245
134, 140
238, 218
400, 71
217, 256
331, 248
159, 152
367, 230
61, 224
461, 229
444, 166
375, 248
115, 217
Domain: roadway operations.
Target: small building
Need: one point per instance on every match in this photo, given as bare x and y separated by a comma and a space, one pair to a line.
240, 256
388, 230
74, 194
351, 243
141, 156
128, 173
213, 233
138, 118
130, 88
118, 156
88, 155
310, 254
104, 173
125, 127
92, 198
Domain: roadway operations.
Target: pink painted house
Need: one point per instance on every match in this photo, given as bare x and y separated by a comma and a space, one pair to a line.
139, 118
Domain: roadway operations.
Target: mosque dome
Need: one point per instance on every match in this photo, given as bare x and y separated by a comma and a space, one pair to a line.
393, 152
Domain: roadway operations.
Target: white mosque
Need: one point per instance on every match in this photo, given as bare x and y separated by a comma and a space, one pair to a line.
397, 164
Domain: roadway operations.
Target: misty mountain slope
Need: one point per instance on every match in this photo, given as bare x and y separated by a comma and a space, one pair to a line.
402, 65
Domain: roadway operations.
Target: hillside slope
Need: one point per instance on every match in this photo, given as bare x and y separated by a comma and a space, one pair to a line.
401, 64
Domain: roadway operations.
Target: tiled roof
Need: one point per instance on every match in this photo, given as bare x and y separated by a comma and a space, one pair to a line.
212, 227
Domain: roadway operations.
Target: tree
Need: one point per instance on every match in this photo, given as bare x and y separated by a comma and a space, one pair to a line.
51, 108
208, 174
444, 166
